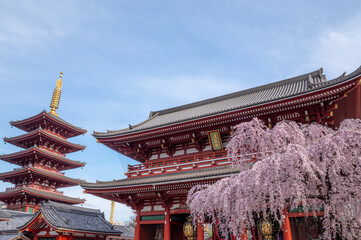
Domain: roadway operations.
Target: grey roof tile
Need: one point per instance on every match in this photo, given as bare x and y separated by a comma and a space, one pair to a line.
44, 194
52, 118
15, 221
12, 236
41, 151
63, 216
234, 101
34, 171
128, 231
191, 175
39, 132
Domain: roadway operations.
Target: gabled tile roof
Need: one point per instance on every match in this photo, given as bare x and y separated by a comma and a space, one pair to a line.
50, 117
128, 231
16, 219
235, 101
43, 194
192, 175
12, 236
37, 171
66, 217
38, 133
32, 150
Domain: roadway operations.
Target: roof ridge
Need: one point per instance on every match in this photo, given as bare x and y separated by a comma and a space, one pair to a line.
163, 175
40, 129
44, 151
53, 117
238, 93
70, 208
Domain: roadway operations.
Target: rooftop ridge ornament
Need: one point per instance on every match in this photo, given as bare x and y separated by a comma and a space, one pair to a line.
54, 104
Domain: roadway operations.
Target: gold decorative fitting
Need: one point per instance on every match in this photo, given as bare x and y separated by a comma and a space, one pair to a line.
55, 100
345, 94
336, 106
331, 114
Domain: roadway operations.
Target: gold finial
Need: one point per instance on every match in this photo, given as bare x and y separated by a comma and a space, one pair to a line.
54, 104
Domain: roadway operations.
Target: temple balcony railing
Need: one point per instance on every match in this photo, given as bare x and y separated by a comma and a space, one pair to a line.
184, 163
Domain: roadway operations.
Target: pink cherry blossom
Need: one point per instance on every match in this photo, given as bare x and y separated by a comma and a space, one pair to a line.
307, 165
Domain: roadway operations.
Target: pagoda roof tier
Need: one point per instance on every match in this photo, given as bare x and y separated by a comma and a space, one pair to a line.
66, 218
21, 158
39, 136
247, 103
63, 181
165, 179
45, 120
40, 194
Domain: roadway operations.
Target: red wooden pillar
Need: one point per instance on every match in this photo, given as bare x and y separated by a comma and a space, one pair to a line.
254, 233
357, 104
244, 235
62, 237
286, 227
27, 208
137, 226
200, 230
167, 224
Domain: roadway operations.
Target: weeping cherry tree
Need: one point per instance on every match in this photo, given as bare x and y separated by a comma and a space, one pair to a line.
306, 165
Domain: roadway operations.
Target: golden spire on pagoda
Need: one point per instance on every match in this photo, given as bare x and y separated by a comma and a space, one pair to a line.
54, 104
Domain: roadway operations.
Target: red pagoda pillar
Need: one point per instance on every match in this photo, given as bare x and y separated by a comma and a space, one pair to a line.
42, 160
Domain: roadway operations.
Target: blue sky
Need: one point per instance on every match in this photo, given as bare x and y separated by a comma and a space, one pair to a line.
123, 59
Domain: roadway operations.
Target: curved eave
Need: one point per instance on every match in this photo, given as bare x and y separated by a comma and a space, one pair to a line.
170, 178
48, 220
42, 194
27, 170
40, 132
103, 136
35, 150
51, 118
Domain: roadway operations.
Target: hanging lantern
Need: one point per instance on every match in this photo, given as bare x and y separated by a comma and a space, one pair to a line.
269, 229
188, 229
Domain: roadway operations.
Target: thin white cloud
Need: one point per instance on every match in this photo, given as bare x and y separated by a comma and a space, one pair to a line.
338, 49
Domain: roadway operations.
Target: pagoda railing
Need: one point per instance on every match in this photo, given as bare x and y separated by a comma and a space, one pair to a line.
183, 163
44, 168
38, 187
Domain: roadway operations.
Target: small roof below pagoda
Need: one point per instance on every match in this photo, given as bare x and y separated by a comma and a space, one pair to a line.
13, 236
29, 139
63, 217
64, 163
34, 171
253, 97
44, 118
45, 195
16, 219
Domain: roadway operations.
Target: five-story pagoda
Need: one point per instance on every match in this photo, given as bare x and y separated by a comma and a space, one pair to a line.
42, 160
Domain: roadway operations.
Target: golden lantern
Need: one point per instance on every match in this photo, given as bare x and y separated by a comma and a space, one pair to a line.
188, 229
269, 229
